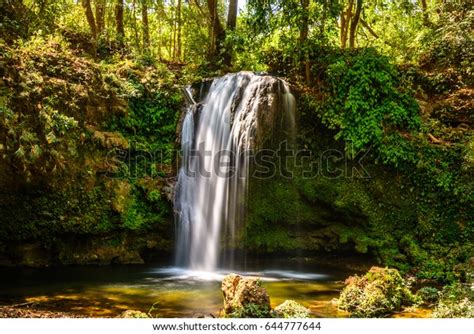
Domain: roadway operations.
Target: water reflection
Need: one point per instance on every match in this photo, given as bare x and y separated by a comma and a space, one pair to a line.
174, 292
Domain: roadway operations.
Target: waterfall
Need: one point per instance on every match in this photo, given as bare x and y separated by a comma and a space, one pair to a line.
238, 115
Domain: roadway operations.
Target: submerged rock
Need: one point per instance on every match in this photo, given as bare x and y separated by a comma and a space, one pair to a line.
245, 297
291, 309
379, 292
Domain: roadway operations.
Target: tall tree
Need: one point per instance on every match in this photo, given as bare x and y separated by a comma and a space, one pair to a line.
119, 8
217, 30
100, 6
135, 25
230, 26
178, 29
146, 29
304, 31
90, 18
424, 8
354, 23
232, 14
346, 17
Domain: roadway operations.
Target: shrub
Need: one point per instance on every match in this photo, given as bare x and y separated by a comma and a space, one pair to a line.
456, 301
251, 311
365, 102
428, 295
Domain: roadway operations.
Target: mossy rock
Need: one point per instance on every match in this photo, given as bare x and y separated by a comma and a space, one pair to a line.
245, 297
378, 293
291, 309
133, 314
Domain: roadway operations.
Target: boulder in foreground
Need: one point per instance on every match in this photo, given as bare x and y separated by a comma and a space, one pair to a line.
245, 297
379, 292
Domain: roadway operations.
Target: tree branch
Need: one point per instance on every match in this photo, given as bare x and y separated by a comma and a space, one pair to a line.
366, 25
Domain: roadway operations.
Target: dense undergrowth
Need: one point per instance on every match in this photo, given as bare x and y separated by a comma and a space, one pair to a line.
87, 144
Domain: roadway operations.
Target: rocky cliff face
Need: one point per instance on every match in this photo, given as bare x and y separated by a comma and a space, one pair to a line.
268, 107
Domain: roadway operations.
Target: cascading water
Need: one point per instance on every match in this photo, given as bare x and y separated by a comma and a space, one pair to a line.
239, 113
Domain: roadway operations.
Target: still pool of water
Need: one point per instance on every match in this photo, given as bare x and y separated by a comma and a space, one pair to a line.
162, 291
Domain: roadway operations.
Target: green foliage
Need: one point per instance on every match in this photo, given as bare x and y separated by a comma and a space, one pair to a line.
67, 100
375, 115
144, 211
366, 104
399, 26
266, 226
149, 125
377, 293
428, 295
38, 118
455, 301
55, 107
251, 310
133, 219
449, 47
42, 216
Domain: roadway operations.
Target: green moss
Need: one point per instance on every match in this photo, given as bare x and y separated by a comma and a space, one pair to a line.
412, 211
377, 293
145, 211
291, 309
251, 311
65, 115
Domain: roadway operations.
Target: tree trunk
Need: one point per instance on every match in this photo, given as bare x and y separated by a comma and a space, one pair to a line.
426, 17
134, 25
346, 16
119, 21
100, 15
232, 14
218, 32
230, 26
354, 23
325, 9
146, 29
304, 31
160, 14
90, 18
178, 33
173, 31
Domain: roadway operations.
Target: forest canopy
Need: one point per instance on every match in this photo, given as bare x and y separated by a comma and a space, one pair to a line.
203, 32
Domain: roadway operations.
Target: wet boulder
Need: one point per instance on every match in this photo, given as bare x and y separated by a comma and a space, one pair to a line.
245, 297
